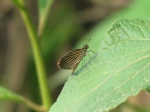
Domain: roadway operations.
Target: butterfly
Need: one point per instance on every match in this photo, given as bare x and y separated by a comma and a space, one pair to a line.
72, 59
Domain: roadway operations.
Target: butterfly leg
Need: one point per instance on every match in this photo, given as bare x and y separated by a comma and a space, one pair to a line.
89, 54
92, 51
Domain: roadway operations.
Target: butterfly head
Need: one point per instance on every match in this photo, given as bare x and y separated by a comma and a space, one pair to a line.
85, 46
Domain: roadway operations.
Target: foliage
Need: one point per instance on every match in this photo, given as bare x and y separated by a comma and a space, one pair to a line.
118, 70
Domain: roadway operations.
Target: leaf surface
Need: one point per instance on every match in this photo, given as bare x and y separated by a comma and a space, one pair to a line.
119, 69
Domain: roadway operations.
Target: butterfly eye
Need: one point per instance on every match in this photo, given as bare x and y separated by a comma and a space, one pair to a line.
86, 46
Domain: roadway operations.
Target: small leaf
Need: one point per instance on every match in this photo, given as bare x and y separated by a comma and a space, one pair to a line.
44, 9
120, 68
7, 95
43, 4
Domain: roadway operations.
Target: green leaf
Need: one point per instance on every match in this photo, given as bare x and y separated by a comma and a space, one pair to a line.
7, 95
44, 9
43, 6
119, 69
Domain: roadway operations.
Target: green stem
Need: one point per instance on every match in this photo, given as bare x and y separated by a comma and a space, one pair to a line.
37, 53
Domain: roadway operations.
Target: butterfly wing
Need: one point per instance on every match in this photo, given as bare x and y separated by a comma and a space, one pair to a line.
72, 59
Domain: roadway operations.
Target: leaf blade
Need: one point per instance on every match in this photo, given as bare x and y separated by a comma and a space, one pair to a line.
119, 69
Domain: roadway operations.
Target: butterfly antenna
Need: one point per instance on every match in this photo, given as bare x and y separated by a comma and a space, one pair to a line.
88, 41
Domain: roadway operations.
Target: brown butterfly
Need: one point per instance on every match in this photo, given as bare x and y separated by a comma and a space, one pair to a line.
72, 59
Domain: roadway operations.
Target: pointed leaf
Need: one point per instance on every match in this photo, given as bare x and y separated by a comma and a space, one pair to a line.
120, 68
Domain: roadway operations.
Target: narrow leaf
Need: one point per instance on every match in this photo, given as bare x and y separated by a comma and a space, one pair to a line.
44, 9
7, 95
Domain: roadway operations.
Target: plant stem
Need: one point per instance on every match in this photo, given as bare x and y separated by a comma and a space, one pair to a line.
39, 62
32, 105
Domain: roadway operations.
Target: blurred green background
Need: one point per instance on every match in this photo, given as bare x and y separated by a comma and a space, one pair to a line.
69, 23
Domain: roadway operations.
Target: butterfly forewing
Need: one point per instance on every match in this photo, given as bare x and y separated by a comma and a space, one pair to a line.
70, 60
